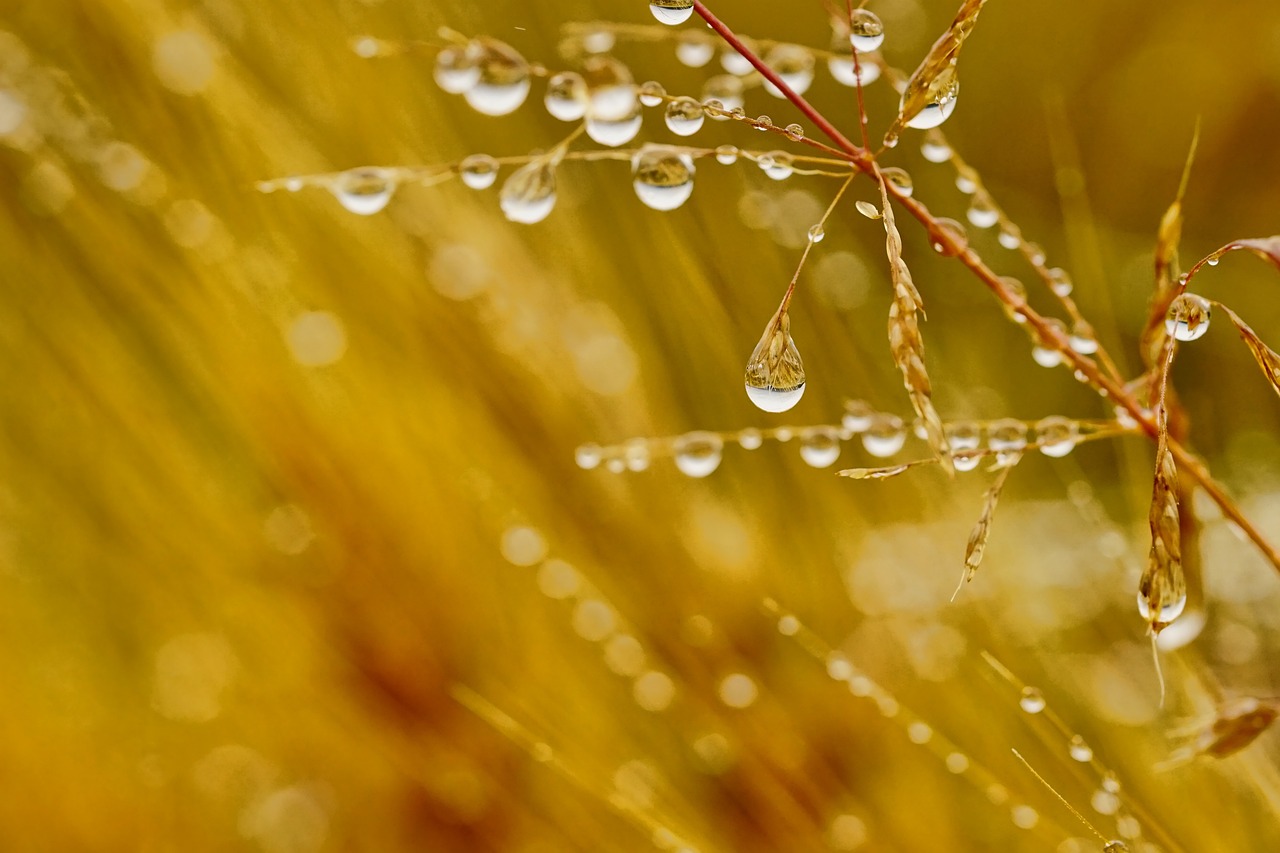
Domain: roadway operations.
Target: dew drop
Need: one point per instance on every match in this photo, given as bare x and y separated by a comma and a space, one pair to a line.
588, 456
615, 132
738, 690
842, 68
778, 165
457, 68
1188, 317
885, 436
858, 416
982, 213
957, 762
838, 666
1115, 847
364, 191
612, 94
763, 123
478, 171
935, 150
795, 132
816, 233
1056, 436
727, 155
503, 82
1032, 700
820, 446
1082, 339
663, 176
966, 184
735, 63
866, 32
793, 64
697, 454
1035, 253
684, 116
1105, 802
1008, 438
566, 96
671, 12
529, 193
1172, 601
775, 372
942, 101
1060, 282
949, 237
1079, 750
651, 93
1009, 239
725, 89
694, 51
900, 179
750, 439
636, 454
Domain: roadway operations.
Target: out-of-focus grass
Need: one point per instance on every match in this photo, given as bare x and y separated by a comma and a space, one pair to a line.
237, 588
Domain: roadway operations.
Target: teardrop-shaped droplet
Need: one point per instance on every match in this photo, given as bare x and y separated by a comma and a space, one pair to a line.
820, 446
566, 97
478, 171
775, 373
1032, 700
940, 101
1188, 317
503, 84
794, 64
663, 176
866, 32
1056, 435
1161, 597
671, 12
364, 191
684, 116
529, 193
697, 454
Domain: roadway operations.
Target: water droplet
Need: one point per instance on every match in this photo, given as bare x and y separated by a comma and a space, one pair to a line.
858, 416
775, 372
653, 691
820, 446
1035, 253
364, 191
1188, 317
727, 90
793, 64
613, 133
750, 439
651, 93
1056, 435
763, 123
1116, 847
671, 12
1082, 339
842, 67
1080, 751
964, 435
1046, 352
1172, 601
966, 183
616, 465
735, 63
919, 732
457, 68
957, 762
478, 171
941, 95
694, 50
884, 436
612, 94
778, 165
1060, 281
1009, 239
738, 690
529, 193
982, 213
949, 237
727, 155
663, 176
588, 456
795, 132
816, 233
636, 454
503, 83
866, 32
838, 666
1032, 700
965, 461
935, 149
1105, 802
900, 179
1018, 291
697, 454
684, 116
1008, 438
868, 209
566, 97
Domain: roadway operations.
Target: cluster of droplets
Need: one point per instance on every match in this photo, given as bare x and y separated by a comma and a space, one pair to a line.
491, 75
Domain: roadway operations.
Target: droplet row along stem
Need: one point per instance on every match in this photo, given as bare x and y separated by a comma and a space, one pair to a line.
1106, 386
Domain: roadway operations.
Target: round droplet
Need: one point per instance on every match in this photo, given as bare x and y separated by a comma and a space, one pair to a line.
1060, 281
750, 439
942, 101
738, 690
1018, 291
844, 70
1188, 317
948, 237
636, 454
1032, 700
735, 63
612, 94
566, 97
885, 435
866, 32
694, 50
1046, 352
778, 165
671, 12
653, 690
966, 183
727, 155
726, 90
614, 133
1116, 847
697, 454
588, 456
503, 83
858, 416
900, 180
1082, 339
1035, 253
935, 149
1008, 438
1079, 750
456, 68
529, 193
1009, 239
816, 233
651, 93
364, 191
1105, 802
663, 176
478, 171
820, 446
1056, 436
684, 116
795, 132
794, 66
763, 123
982, 213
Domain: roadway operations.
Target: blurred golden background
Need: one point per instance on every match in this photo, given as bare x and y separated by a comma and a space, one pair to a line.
295, 553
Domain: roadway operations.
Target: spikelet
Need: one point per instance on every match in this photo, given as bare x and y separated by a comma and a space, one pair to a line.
1168, 236
977, 546
905, 341
1162, 590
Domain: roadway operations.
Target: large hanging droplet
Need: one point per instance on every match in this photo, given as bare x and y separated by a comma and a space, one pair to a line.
663, 176
671, 12
866, 32
1162, 596
364, 191
1188, 317
503, 83
775, 372
529, 194
940, 101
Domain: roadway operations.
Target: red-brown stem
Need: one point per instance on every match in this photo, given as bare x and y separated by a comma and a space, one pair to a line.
1110, 388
